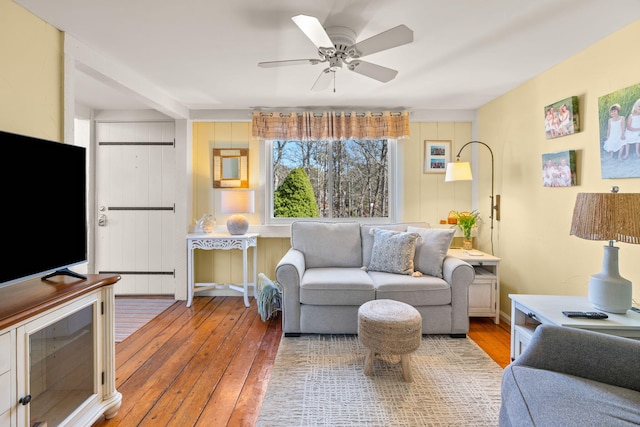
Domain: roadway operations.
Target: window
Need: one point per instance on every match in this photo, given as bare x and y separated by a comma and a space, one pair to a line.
331, 180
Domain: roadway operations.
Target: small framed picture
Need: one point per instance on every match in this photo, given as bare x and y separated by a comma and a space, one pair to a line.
562, 118
231, 168
437, 153
559, 169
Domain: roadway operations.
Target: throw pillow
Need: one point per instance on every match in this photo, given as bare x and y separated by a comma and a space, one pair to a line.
393, 251
431, 252
366, 237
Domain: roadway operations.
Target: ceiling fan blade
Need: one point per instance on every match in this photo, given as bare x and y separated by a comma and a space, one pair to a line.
324, 80
377, 72
271, 64
396, 36
313, 29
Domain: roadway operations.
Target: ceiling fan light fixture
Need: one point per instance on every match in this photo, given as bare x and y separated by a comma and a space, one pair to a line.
335, 64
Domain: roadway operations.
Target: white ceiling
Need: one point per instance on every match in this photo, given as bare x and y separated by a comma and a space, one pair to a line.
203, 54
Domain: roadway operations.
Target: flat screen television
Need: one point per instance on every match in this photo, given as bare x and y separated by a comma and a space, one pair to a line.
44, 219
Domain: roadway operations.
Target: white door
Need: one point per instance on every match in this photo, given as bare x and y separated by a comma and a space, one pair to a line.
135, 188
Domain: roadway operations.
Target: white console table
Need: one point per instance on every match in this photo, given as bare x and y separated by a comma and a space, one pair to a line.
529, 311
222, 241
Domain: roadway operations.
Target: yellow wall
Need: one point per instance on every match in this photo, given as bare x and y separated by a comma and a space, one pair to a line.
538, 254
31, 74
227, 264
427, 198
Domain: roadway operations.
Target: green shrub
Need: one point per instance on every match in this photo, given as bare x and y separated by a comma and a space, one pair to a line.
294, 198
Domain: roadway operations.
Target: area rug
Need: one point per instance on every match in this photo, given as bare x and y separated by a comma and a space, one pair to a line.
318, 380
132, 313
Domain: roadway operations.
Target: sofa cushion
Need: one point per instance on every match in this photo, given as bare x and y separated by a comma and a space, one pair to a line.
336, 286
327, 244
529, 393
367, 237
415, 291
432, 250
393, 251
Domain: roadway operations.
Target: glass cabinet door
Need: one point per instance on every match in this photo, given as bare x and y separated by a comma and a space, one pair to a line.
61, 367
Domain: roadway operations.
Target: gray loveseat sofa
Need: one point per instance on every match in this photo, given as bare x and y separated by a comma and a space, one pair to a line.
573, 377
333, 268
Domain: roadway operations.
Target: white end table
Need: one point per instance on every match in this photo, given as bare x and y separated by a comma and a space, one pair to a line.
529, 311
224, 241
484, 292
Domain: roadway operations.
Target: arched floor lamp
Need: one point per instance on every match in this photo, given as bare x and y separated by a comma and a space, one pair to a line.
461, 171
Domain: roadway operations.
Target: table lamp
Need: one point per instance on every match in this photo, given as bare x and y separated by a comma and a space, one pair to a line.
608, 216
237, 202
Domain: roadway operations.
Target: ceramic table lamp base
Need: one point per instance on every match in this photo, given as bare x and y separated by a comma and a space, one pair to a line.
608, 291
237, 224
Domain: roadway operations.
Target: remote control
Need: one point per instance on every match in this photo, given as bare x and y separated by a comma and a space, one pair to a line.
586, 314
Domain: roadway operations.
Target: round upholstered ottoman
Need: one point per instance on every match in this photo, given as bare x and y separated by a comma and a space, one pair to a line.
389, 327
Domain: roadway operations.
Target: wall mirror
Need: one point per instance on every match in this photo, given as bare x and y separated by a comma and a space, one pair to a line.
230, 168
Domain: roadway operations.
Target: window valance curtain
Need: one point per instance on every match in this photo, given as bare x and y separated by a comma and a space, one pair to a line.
310, 126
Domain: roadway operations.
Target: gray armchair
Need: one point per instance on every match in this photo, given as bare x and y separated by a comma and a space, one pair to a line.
573, 377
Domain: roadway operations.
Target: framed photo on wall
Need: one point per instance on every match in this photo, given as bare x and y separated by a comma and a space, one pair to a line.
437, 153
559, 169
562, 118
619, 125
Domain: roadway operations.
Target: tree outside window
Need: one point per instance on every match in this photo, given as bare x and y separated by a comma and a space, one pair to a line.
330, 179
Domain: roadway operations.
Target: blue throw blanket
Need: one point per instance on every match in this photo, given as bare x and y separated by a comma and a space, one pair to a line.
268, 298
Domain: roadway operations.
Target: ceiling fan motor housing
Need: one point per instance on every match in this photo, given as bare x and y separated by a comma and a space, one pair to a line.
343, 39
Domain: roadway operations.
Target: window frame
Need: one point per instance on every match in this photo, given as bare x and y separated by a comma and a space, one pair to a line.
266, 154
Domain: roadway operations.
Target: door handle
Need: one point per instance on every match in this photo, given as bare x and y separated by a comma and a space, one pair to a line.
102, 220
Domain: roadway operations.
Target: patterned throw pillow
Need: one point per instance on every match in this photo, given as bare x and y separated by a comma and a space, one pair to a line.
431, 252
393, 251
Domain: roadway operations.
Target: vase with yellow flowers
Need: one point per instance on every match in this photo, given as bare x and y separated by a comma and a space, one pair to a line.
467, 221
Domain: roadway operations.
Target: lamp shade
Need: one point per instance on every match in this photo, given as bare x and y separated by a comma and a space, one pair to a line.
458, 171
607, 216
236, 201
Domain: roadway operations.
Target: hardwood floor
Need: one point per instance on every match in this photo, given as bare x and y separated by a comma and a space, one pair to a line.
209, 364
494, 339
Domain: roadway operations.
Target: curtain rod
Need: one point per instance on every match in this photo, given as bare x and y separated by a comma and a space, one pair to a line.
320, 114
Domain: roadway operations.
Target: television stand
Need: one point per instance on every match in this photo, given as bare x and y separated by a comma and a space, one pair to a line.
57, 352
65, 272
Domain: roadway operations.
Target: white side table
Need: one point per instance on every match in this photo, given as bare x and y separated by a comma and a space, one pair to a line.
484, 292
222, 241
529, 311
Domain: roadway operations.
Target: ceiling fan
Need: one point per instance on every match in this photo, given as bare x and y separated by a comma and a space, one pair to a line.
337, 48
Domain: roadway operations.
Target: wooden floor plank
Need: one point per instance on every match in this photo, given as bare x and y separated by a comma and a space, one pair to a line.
218, 369
224, 399
248, 406
142, 337
192, 389
154, 336
161, 370
209, 364
494, 339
